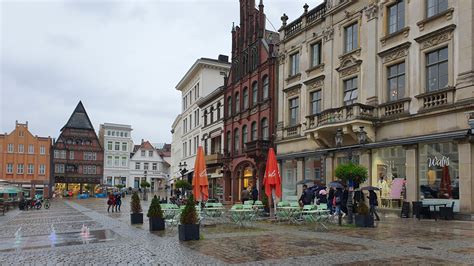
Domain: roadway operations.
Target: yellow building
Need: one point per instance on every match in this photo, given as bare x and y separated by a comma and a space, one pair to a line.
25, 160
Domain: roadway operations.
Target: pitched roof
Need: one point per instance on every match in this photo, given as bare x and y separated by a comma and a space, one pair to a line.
79, 119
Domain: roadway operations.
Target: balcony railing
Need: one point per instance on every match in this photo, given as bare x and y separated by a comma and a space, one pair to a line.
345, 113
213, 158
436, 99
257, 147
316, 13
396, 108
292, 131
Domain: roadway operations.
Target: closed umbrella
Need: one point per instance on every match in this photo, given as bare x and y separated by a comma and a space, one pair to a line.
200, 182
272, 178
445, 187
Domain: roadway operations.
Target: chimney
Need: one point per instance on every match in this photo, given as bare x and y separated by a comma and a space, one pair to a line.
223, 58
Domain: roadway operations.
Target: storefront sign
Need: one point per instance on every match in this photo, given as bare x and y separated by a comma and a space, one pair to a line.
439, 162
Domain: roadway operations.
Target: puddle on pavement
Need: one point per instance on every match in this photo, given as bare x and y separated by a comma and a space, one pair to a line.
52, 240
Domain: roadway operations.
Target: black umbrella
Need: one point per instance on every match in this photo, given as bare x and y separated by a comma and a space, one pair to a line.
304, 181
370, 188
336, 184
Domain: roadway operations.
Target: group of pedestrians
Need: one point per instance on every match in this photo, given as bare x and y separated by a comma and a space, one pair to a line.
249, 193
336, 199
114, 201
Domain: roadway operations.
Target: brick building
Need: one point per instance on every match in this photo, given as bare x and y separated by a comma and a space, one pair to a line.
249, 100
25, 160
78, 156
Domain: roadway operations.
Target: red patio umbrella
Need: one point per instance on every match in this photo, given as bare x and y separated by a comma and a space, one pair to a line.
272, 178
200, 182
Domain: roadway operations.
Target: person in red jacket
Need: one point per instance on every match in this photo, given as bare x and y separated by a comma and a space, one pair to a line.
111, 202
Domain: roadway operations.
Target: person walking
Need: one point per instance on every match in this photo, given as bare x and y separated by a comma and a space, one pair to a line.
254, 194
373, 202
337, 201
118, 202
111, 202
330, 200
307, 196
244, 195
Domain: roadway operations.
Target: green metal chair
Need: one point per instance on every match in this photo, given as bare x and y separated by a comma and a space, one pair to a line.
308, 214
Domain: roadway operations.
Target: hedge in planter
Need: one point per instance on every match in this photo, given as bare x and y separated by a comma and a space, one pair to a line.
189, 226
155, 215
136, 216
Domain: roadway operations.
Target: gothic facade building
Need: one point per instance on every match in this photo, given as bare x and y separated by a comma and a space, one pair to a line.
250, 101
78, 157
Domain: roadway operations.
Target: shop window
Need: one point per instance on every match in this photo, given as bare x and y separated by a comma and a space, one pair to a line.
289, 170
313, 169
439, 171
389, 168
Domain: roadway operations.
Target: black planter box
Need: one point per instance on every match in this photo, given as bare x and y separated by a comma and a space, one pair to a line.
188, 232
136, 218
364, 220
156, 224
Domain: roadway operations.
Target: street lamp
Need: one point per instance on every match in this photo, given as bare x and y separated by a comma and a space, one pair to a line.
182, 171
362, 139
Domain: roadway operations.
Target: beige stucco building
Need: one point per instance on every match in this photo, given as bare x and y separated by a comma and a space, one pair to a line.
402, 70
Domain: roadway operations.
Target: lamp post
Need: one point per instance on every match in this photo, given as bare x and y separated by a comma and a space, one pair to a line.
182, 171
362, 139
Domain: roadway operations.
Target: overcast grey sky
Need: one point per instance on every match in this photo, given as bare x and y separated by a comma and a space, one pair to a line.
121, 58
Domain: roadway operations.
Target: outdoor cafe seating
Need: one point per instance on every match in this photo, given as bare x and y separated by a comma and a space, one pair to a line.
242, 214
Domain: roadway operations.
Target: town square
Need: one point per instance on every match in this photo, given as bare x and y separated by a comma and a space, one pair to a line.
249, 132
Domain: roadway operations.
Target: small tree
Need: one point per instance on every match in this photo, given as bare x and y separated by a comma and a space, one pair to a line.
144, 184
183, 184
135, 204
119, 186
189, 215
155, 209
352, 173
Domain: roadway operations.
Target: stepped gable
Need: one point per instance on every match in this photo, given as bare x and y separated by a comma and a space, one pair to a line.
79, 119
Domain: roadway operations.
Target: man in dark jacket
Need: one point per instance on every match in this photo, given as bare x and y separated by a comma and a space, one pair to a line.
373, 202
254, 194
306, 197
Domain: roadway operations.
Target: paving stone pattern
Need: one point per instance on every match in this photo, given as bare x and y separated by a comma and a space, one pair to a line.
395, 241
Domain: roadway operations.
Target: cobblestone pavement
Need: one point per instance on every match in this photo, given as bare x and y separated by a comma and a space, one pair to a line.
83, 232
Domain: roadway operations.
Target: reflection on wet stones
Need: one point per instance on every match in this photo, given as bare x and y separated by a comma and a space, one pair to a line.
263, 247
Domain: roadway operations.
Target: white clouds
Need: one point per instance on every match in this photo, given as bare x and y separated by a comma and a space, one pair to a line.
121, 58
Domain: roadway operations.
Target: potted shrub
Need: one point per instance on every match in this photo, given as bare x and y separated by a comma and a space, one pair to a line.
136, 216
155, 215
362, 217
189, 226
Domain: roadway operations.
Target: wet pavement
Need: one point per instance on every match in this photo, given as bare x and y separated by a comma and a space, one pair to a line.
83, 232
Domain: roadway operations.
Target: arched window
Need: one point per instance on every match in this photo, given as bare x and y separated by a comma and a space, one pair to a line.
265, 87
236, 141
244, 134
254, 93
218, 110
237, 102
254, 131
265, 133
211, 113
229, 142
246, 98
229, 106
